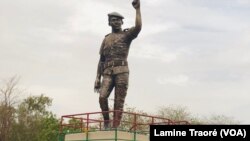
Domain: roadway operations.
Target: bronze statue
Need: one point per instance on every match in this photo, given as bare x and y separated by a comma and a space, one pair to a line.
113, 65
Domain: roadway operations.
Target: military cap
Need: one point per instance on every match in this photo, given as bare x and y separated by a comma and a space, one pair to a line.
115, 14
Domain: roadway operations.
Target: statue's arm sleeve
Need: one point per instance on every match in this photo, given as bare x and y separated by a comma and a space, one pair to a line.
100, 67
101, 62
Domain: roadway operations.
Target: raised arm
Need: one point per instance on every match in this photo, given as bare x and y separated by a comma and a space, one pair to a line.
138, 21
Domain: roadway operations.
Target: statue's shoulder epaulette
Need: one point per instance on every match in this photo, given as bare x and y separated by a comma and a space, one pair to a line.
126, 29
107, 35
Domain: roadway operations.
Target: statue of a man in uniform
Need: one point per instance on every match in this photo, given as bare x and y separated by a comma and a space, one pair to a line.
113, 65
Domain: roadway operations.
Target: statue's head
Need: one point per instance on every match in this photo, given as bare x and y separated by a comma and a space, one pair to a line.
115, 20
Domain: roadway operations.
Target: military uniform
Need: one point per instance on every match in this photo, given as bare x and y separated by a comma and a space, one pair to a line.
114, 52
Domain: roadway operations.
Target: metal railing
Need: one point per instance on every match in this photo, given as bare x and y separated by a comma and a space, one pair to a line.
130, 122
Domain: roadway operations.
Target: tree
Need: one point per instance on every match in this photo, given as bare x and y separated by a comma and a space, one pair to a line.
180, 113
25, 120
50, 128
219, 119
8, 95
175, 113
34, 121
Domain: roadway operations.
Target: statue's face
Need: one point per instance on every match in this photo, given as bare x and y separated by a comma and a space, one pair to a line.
115, 22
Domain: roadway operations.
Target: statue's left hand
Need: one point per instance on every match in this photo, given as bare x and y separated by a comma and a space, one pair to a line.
97, 85
136, 4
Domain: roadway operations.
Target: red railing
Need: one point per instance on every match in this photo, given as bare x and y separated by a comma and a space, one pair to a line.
130, 121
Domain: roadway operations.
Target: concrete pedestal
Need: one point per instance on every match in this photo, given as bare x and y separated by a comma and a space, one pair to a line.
107, 136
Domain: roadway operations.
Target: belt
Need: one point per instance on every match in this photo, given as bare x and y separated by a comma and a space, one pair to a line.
115, 63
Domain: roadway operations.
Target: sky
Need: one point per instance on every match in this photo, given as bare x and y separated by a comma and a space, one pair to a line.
193, 53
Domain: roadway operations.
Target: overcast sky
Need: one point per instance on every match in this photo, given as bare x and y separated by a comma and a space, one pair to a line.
193, 53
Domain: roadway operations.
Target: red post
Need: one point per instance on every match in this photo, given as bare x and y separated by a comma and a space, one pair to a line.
81, 124
61, 124
135, 123
100, 127
87, 121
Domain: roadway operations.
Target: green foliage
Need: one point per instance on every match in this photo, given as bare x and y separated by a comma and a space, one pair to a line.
34, 121
74, 125
50, 129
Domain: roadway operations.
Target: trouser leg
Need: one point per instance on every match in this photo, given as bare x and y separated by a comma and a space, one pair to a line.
121, 87
105, 111
106, 88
